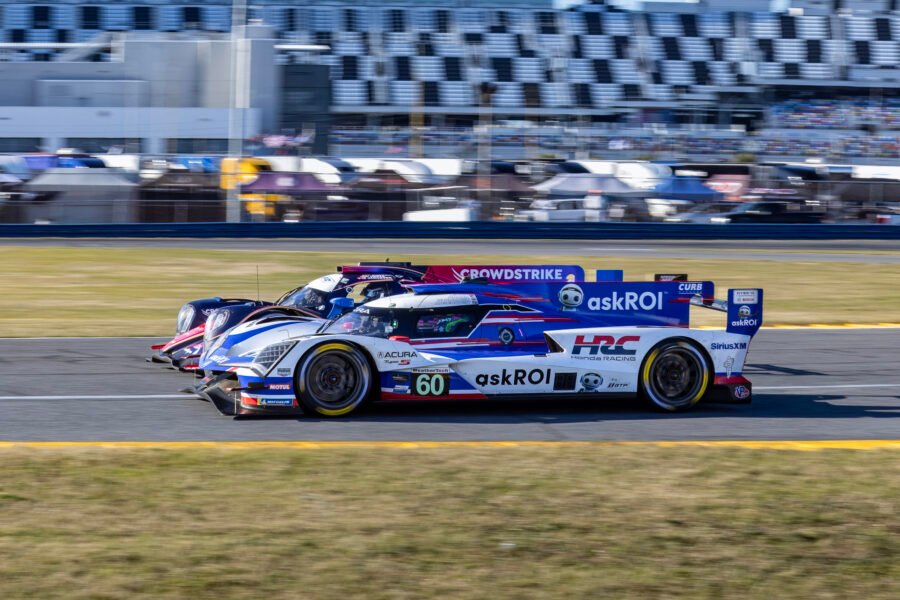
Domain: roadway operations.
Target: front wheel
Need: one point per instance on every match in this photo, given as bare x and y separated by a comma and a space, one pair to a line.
675, 375
333, 379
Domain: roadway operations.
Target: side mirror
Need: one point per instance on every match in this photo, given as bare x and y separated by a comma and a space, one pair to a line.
338, 306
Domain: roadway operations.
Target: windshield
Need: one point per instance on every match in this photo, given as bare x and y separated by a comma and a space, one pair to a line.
367, 321
430, 323
307, 297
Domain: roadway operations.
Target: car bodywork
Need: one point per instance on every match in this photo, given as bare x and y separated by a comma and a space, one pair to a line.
475, 341
225, 351
313, 300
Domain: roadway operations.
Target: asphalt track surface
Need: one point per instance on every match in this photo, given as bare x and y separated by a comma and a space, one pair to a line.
810, 384
867, 251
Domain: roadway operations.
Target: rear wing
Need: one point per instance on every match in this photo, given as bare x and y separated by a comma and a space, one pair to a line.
744, 309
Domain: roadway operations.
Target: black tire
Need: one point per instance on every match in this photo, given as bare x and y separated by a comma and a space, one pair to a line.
675, 375
333, 379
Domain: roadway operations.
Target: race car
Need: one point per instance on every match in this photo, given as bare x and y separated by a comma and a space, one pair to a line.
224, 349
471, 342
313, 301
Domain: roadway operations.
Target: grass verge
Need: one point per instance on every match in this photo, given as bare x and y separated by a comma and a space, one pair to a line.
616, 522
135, 291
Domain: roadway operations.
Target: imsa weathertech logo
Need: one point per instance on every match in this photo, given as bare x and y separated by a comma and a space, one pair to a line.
604, 347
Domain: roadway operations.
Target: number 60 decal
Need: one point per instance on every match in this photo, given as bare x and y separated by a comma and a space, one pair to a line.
432, 384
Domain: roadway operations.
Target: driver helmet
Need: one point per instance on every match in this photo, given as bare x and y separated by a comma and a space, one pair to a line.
378, 290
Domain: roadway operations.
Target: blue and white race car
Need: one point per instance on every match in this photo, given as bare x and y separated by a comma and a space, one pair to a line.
480, 341
229, 344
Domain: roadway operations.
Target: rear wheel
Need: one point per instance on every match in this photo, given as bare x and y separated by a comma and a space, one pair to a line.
333, 379
675, 375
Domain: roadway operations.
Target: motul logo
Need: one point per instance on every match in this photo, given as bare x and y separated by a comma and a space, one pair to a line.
604, 344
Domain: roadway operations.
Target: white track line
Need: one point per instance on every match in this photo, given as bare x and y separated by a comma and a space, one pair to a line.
117, 397
824, 387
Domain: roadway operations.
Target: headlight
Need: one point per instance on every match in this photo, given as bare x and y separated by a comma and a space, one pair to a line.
185, 316
720, 220
270, 355
215, 323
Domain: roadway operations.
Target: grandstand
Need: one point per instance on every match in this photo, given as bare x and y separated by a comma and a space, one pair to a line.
712, 65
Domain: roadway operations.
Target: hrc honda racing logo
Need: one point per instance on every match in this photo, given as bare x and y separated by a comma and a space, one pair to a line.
605, 347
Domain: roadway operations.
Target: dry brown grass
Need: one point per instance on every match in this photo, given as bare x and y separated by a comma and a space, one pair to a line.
613, 522
135, 291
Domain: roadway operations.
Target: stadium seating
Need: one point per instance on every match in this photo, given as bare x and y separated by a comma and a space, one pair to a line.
585, 57
435, 54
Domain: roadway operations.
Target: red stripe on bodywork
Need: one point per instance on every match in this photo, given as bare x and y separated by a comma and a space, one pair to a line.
733, 380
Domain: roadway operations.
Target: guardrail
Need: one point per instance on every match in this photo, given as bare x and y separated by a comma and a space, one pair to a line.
458, 230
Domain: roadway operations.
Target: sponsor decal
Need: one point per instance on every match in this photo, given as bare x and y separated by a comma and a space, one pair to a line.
276, 402
570, 296
628, 301
400, 377
590, 382
279, 386
397, 357
431, 384
617, 385
745, 323
535, 274
506, 336
690, 288
746, 296
509, 377
283, 372
217, 358
431, 370
605, 347
744, 312
741, 392
728, 346
670, 277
